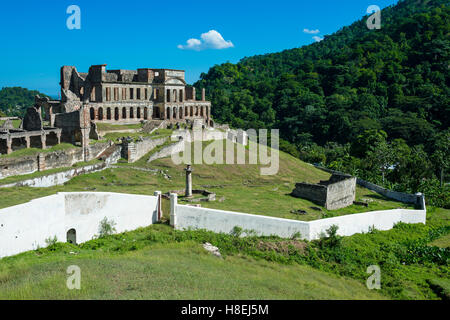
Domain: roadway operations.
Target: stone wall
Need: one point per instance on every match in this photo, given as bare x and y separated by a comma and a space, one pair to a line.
417, 199
168, 151
341, 194
312, 192
336, 193
184, 217
55, 179
27, 226
133, 151
48, 160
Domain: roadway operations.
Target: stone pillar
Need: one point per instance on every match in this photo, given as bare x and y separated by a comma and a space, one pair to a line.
208, 111
194, 97
203, 94
41, 162
58, 136
157, 194
27, 141
43, 142
8, 145
173, 204
188, 181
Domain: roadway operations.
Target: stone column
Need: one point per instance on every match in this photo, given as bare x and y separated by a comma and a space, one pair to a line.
8, 145
203, 94
173, 204
43, 143
157, 194
188, 181
41, 162
27, 141
58, 136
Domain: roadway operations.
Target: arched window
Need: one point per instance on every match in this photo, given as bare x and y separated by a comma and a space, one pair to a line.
92, 113
116, 114
124, 113
108, 113
131, 113
138, 113
181, 95
145, 113
174, 112
168, 113
180, 109
72, 236
174, 95
100, 113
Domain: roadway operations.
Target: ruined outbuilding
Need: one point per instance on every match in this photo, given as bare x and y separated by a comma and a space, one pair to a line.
336, 193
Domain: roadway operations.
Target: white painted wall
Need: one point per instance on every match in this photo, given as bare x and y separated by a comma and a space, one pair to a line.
185, 217
26, 227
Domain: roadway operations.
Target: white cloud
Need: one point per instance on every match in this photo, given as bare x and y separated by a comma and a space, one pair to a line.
317, 39
209, 40
311, 31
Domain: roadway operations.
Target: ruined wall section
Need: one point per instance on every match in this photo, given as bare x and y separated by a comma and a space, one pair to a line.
48, 160
341, 194
336, 193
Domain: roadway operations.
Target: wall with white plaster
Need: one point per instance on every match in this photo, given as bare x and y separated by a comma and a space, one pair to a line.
26, 226
185, 217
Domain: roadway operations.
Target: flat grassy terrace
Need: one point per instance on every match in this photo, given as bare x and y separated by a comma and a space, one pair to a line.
35, 151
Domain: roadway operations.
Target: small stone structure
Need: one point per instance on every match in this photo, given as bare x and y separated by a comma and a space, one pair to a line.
336, 193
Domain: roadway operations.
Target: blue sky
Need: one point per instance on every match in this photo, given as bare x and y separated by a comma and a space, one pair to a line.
35, 41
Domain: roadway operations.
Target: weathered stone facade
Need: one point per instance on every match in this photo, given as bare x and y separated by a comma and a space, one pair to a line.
336, 193
128, 96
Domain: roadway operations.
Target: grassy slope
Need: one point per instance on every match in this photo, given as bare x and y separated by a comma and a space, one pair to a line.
242, 186
168, 271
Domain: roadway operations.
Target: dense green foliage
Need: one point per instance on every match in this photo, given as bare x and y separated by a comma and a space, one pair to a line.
329, 96
15, 100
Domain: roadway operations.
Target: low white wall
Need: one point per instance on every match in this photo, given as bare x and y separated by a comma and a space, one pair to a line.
189, 217
26, 226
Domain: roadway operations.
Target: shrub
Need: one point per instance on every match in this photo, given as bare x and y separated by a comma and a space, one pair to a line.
106, 228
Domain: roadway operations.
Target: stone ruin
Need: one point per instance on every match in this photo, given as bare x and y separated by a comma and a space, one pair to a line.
336, 193
32, 135
108, 96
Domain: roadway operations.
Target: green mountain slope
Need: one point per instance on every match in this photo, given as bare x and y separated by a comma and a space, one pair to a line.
395, 79
15, 100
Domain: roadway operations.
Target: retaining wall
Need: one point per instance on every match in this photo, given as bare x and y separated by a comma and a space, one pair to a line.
26, 226
48, 160
189, 217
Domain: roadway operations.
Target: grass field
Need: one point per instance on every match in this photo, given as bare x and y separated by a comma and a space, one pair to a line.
168, 271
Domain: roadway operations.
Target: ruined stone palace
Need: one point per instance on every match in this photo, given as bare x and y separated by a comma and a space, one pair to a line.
111, 96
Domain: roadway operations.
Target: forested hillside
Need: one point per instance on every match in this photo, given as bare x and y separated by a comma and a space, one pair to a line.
15, 100
370, 102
